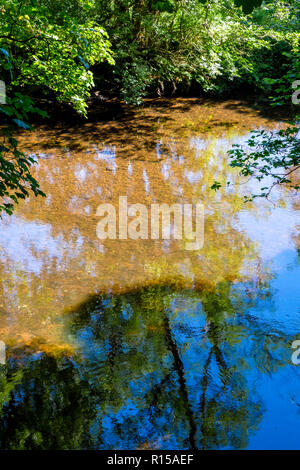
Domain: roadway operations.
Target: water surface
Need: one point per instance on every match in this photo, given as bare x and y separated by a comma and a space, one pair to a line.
125, 344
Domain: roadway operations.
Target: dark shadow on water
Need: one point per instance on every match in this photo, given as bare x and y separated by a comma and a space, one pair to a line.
132, 130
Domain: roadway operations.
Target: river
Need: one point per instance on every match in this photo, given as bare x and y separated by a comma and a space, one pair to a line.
143, 344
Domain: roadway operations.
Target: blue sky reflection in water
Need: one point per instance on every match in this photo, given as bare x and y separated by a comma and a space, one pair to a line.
146, 345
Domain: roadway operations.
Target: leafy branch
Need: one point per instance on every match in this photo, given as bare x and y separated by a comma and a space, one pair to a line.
275, 157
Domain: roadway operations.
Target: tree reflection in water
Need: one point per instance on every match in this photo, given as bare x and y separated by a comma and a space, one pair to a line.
155, 368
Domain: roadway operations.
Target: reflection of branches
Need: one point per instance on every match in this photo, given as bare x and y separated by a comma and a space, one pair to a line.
204, 385
157, 391
227, 411
179, 367
216, 352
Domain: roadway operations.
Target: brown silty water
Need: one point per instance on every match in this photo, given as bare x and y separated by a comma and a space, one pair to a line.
51, 257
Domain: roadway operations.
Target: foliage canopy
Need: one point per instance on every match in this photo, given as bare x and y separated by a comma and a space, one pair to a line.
64, 49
